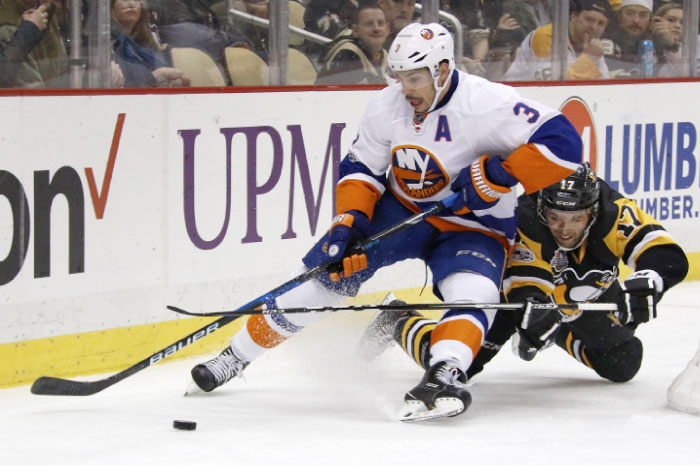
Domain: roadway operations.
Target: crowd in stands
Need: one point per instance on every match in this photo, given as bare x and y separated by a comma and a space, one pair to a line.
358, 57
503, 40
587, 24
34, 53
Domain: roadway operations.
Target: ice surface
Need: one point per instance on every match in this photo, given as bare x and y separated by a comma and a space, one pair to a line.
311, 401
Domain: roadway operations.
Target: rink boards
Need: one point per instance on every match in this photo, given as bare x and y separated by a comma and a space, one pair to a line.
113, 206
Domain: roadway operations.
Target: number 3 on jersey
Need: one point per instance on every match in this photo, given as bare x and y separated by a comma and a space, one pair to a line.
527, 110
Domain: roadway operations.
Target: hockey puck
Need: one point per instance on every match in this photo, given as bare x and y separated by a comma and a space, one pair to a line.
184, 425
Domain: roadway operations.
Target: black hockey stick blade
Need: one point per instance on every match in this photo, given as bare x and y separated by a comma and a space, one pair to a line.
66, 387
58, 386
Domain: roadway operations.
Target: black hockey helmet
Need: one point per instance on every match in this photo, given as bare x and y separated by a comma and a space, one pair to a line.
579, 191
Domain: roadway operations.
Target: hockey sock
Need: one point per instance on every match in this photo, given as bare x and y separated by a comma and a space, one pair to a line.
574, 347
413, 334
458, 337
459, 334
262, 332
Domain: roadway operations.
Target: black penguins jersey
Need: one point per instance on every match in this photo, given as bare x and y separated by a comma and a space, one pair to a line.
621, 232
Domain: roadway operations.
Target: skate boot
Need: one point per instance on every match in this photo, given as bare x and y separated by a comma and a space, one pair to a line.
216, 372
441, 393
379, 334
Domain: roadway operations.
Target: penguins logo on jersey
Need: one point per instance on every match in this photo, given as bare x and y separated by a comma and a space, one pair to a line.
570, 287
418, 172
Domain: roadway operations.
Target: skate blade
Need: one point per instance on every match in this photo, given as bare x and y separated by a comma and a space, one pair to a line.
415, 410
193, 389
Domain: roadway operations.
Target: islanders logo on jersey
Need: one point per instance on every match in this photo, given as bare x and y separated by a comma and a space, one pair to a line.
427, 34
417, 172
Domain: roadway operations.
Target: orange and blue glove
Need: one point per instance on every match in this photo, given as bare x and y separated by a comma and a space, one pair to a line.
482, 185
346, 231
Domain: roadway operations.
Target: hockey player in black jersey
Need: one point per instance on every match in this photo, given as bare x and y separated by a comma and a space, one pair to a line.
571, 239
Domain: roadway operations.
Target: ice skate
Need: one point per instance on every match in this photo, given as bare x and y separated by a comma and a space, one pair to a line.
441, 393
379, 334
216, 372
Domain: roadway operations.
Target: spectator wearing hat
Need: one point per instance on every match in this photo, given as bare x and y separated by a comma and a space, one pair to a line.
632, 26
588, 20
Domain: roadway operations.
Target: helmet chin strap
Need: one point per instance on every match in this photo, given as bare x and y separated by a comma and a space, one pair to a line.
439, 89
569, 249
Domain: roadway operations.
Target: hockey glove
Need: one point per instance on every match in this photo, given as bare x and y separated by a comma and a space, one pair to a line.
537, 328
638, 297
482, 185
347, 229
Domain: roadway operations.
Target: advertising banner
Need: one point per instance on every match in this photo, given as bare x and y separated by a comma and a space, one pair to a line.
112, 207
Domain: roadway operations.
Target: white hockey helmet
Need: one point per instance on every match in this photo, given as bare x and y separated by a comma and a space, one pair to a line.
423, 46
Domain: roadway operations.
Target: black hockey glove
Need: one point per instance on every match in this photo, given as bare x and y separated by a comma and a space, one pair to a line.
639, 295
536, 329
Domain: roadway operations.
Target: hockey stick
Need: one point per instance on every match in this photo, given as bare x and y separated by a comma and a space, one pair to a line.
588, 306
59, 386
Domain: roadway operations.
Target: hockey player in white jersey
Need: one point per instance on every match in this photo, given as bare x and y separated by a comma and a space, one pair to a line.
435, 131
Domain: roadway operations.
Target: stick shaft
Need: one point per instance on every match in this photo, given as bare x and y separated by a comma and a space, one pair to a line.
584, 306
415, 219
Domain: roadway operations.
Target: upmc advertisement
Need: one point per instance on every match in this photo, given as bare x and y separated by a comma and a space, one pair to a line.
113, 206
